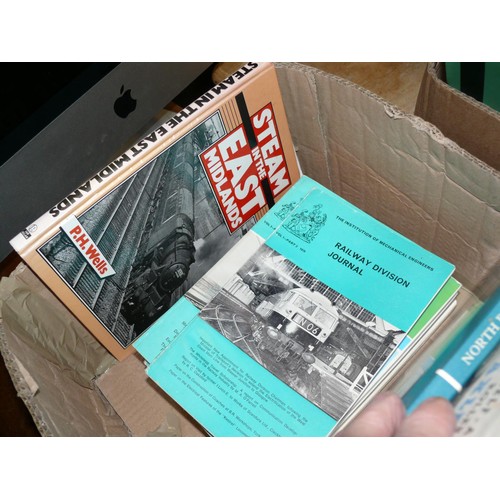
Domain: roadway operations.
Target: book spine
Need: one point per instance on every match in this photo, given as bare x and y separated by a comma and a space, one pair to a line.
134, 158
463, 357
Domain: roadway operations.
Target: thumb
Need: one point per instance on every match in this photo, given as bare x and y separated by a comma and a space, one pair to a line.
380, 418
435, 417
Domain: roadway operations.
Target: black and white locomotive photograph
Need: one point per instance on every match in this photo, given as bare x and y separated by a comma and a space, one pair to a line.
160, 230
317, 341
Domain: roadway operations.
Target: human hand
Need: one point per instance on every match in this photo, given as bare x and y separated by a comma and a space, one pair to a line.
386, 416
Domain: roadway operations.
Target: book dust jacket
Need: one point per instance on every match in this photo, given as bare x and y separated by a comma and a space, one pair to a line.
122, 248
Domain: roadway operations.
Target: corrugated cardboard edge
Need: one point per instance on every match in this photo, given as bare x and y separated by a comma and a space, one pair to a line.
398, 168
470, 123
21, 385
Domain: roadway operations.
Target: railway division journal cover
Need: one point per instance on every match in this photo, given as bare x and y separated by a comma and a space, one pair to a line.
287, 330
124, 246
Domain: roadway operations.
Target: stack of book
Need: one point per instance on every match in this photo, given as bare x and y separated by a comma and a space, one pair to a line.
300, 322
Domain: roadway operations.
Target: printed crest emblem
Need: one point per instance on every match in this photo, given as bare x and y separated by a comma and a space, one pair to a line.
304, 224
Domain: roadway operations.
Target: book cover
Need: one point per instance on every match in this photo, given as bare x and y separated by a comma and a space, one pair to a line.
462, 357
283, 334
122, 248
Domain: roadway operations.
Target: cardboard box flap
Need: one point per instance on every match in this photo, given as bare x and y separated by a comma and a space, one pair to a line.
472, 124
145, 409
59, 405
38, 318
397, 167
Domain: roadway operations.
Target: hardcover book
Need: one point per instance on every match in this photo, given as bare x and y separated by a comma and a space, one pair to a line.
123, 247
289, 328
462, 357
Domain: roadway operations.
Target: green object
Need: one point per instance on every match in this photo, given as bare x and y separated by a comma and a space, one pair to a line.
451, 287
453, 75
492, 85
478, 80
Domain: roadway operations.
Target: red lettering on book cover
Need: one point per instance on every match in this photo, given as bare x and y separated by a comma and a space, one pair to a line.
236, 170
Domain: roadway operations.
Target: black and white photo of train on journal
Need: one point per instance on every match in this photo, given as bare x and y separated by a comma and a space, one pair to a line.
161, 230
317, 341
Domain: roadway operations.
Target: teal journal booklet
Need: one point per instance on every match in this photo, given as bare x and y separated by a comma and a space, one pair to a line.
284, 333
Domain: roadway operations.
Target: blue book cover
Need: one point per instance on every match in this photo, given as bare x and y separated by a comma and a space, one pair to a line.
281, 336
463, 356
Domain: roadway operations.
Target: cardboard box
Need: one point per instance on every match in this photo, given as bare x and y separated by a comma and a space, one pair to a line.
395, 166
470, 123
53, 362
145, 409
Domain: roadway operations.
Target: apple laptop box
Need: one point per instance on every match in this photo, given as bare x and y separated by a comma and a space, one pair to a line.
98, 114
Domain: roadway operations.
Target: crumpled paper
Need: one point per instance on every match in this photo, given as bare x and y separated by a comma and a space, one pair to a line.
36, 317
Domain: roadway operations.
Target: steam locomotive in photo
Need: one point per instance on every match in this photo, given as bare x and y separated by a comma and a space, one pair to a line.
164, 260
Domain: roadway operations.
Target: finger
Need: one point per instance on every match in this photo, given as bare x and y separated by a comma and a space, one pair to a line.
433, 418
381, 418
